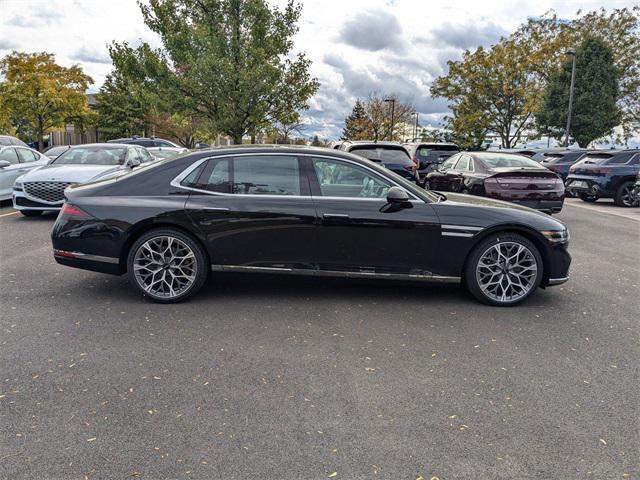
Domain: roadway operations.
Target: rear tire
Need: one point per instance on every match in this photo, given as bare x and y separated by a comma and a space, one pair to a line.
587, 198
31, 213
503, 270
624, 195
167, 265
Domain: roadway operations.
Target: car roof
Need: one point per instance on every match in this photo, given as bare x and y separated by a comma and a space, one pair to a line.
444, 144
105, 145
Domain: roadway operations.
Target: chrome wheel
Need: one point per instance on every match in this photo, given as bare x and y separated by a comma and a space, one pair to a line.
165, 267
627, 196
506, 272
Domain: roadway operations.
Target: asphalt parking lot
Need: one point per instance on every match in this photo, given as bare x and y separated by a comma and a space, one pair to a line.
296, 378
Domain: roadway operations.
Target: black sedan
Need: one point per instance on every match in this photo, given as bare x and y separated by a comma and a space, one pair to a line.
297, 210
503, 176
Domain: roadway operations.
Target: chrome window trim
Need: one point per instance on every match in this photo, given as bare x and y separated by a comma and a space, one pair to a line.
176, 182
88, 256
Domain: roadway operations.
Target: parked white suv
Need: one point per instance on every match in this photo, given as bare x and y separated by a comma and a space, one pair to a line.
42, 189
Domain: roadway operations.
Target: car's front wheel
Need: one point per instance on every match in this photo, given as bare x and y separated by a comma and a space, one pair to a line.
504, 270
167, 265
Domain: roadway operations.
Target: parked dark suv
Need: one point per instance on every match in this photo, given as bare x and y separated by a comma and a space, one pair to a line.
560, 161
146, 142
429, 155
605, 174
390, 155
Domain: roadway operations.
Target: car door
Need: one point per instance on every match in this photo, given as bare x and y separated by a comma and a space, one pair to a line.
9, 173
359, 231
459, 174
254, 210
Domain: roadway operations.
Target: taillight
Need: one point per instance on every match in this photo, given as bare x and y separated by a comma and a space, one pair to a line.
416, 161
69, 210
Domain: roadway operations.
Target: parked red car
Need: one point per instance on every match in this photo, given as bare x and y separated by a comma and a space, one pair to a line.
504, 176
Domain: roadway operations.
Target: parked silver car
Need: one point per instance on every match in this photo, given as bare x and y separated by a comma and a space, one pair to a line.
42, 189
162, 153
14, 162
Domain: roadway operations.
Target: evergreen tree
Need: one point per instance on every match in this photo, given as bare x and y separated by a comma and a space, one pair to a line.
356, 124
595, 109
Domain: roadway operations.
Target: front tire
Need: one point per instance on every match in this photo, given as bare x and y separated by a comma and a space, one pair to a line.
503, 270
31, 213
624, 195
167, 265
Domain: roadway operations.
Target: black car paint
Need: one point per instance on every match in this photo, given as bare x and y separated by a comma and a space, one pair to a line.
377, 237
604, 179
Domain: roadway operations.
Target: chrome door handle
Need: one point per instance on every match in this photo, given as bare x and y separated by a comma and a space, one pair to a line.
335, 215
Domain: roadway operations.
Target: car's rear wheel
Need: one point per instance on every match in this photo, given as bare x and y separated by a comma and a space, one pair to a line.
167, 265
624, 196
587, 198
504, 270
31, 213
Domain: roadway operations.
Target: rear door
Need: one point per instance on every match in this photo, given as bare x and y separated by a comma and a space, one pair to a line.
254, 211
9, 173
359, 231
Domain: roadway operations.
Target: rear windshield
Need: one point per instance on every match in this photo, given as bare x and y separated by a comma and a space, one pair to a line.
383, 154
597, 158
569, 157
500, 160
436, 153
92, 156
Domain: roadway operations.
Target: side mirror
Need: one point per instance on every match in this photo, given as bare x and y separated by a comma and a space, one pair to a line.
4, 164
133, 163
397, 195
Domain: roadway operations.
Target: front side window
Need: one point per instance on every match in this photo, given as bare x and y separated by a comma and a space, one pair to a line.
341, 179
9, 155
266, 175
26, 155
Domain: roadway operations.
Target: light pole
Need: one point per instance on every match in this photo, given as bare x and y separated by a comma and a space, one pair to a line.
573, 82
393, 106
415, 128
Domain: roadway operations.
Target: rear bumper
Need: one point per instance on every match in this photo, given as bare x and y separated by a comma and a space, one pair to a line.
85, 261
588, 185
548, 206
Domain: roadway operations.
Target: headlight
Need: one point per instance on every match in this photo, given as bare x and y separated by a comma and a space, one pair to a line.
17, 186
556, 236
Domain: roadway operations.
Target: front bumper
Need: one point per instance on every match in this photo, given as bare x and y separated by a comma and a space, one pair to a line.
22, 202
557, 266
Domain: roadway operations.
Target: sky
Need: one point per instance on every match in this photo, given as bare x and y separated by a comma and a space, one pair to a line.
356, 46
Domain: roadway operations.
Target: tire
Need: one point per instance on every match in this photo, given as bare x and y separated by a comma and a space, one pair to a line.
587, 198
31, 213
624, 195
481, 280
148, 259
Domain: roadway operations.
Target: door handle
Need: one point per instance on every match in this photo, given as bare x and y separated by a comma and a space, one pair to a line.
335, 215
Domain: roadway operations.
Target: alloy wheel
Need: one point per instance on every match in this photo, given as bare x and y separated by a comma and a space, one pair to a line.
627, 196
506, 272
165, 267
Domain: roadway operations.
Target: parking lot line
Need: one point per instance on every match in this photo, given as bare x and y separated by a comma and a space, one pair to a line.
7, 214
630, 213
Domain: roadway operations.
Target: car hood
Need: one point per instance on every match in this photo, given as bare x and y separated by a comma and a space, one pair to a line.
69, 173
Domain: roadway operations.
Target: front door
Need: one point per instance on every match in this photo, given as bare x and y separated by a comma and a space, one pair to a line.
9, 173
254, 210
360, 231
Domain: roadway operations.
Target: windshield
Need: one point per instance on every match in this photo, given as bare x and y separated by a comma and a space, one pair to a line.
92, 156
383, 154
55, 151
500, 160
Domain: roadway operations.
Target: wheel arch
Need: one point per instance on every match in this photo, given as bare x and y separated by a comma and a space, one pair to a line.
529, 233
145, 226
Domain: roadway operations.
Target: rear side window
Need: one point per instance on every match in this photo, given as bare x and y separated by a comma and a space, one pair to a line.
450, 162
384, 154
620, 158
463, 163
26, 155
266, 175
212, 176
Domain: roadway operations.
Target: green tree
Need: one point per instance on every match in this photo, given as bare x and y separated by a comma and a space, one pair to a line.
490, 90
595, 111
356, 124
39, 94
229, 60
316, 142
121, 111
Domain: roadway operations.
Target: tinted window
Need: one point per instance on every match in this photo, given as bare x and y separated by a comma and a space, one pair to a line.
160, 143
435, 153
9, 155
216, 177
384, 154
26, 155
500, 160
620, 158
92, 156
342, 179
266, 175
